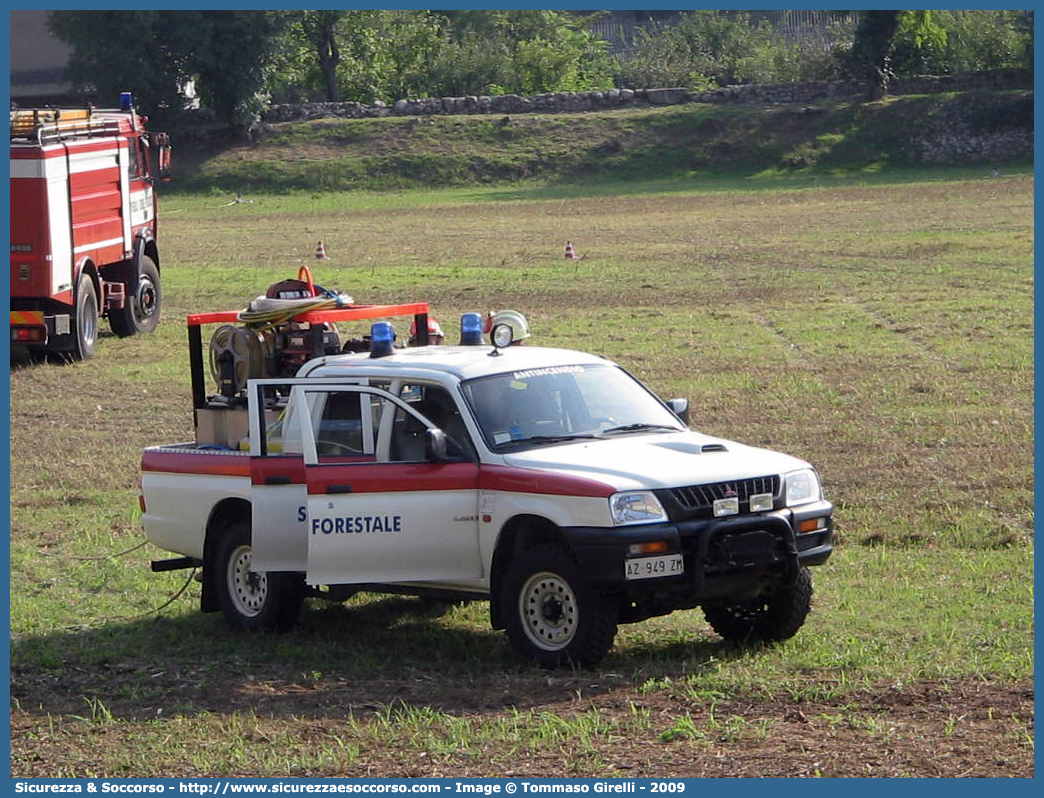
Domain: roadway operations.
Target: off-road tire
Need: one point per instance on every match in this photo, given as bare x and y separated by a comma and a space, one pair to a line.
552, 615
251, 600
140, 313
772, 617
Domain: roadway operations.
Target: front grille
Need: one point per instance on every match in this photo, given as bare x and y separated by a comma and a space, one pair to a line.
700, 498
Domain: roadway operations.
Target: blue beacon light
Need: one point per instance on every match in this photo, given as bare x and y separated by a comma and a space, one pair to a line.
382, 339
471, 329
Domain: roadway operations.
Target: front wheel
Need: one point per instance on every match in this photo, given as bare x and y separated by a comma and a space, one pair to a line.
553, 617
250, 599
775, 616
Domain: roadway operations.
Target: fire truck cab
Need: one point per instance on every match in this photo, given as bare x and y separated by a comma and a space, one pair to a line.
83, 226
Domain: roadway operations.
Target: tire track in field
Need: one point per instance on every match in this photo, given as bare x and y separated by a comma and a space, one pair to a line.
882, 321
924, 349
916, 341
974, 461
805, 358
895, 459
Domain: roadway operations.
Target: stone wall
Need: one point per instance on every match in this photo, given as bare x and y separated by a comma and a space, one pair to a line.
567, 102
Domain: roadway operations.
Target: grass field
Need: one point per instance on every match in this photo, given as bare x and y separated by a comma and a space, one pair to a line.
883, 331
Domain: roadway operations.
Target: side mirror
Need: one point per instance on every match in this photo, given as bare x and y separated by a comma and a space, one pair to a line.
680, 408
434, 445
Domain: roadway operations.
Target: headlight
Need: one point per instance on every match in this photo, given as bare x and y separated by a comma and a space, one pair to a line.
803, 487
635, 507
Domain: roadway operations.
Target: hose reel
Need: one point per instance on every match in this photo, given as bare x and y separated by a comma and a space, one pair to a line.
237, 354
270, 343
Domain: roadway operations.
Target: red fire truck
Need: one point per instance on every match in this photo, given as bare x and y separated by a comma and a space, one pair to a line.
83, 226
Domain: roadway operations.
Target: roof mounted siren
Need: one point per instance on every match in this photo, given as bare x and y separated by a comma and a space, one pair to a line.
471, 330
382, 339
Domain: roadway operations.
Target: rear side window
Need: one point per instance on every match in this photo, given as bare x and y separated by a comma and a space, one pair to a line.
339, 430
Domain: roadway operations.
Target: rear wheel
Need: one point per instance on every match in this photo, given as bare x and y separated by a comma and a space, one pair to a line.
553, 617
251, 599
140, 311
86, 317
775, 616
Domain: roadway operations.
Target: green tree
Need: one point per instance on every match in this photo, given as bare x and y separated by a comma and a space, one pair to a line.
114, 51
725, 46
875, 39
973, 41
296, 73
710, 48
518, 26
569, 62
320, 29
361, 55
365, 51
234, 60
229, 55
471, 65
662, 57
872, 49
414, 41
521, 52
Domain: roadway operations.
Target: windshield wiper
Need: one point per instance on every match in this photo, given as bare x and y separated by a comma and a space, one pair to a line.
639, 428
549, 439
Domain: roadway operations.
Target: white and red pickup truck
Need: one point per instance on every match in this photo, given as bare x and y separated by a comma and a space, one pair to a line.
550, 482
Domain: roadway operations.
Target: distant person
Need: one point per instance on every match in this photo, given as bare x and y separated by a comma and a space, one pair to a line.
435, 334
513, 319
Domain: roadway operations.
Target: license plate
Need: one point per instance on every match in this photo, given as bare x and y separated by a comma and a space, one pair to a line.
651, 567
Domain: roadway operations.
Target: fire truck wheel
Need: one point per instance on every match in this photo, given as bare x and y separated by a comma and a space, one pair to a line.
552, 615
86, 317
250, 599
140, 313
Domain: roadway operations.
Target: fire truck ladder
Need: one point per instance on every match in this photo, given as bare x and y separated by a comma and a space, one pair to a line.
54, 124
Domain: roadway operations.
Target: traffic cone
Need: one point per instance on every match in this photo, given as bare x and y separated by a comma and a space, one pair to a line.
570, 252
320, 252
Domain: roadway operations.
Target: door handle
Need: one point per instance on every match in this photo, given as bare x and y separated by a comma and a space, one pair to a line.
278, 480
338, 488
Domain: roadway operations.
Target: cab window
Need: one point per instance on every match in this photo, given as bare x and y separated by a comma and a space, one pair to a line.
336, 418
133, 166
359, 424
339, 428
434, 403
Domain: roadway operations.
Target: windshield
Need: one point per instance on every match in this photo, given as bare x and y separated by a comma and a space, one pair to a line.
562, 403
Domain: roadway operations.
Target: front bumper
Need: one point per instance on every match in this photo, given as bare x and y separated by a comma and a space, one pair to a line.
724, 558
